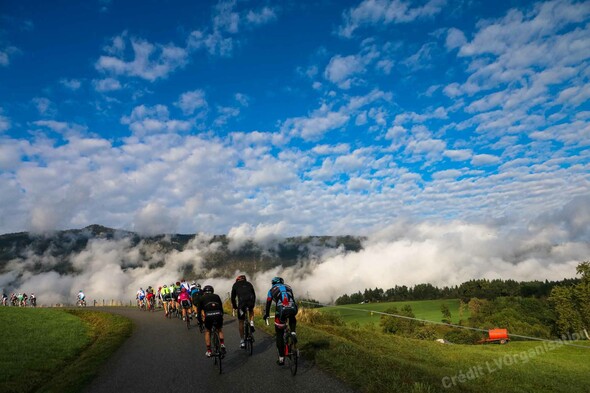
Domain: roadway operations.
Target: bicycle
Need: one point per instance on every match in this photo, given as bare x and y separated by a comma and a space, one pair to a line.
248, 337
216, 352
291, 351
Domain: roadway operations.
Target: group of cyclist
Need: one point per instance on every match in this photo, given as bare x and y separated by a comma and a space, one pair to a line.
19, 300
203, 303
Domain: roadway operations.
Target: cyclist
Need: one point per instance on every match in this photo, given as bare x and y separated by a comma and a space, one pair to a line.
149, 295
24, 301
139, 296
185, 302
195, 295
243, 298
211, 305
166, 296
33, 299
81, 298
175, 294
184, 284
4, 299
285, 311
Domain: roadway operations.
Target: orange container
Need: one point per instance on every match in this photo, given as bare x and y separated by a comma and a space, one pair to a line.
498, 334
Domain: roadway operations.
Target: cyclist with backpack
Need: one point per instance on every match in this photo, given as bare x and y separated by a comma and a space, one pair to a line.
243, 298
285, 312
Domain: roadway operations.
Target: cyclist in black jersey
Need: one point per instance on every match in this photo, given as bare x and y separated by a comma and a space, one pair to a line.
211, 305
243, 298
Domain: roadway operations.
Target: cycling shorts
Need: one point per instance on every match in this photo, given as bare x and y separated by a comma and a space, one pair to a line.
167, 297
242, 311
216, 320
186, 304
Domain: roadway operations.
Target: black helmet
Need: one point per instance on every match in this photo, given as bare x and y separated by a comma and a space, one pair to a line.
277, 280
241, 278
208, 289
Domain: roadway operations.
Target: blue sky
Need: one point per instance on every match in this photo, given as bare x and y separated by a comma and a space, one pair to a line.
294, 118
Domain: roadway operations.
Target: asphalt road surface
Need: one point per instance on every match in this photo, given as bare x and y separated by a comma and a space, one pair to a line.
163, 356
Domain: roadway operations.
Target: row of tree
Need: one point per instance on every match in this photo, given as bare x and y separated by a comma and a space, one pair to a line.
481, 289
565, 313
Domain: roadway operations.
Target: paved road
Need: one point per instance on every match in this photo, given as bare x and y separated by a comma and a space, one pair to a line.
162, 355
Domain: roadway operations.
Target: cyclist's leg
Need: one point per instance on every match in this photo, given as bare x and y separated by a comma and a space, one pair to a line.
279, 329
241, 318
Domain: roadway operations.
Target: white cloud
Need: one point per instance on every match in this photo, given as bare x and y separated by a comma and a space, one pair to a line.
6, 54
71, 84
4, 122
155, 219
190, 101
145, 121
106, 85
262, 16
44, 106
341, 69
455, 39
459, 154
484, 159
215, 43
375, 12
315, 126
150, 62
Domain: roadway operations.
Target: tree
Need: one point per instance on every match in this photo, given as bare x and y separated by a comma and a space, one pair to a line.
397, 325
572, 303
446, 313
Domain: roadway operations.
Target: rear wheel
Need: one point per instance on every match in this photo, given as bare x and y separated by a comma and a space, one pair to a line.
216, 349
248, 338
292, 355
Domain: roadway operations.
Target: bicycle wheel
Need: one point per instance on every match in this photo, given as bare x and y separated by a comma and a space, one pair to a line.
216, 349
248, 338
291, 355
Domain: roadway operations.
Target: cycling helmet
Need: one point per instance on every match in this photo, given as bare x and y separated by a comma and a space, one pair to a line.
208, 289
178, 283
198, 286
241, 278
165, 286
277, 280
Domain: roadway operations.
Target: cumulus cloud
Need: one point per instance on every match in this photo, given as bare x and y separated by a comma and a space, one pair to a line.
106, 85
374, 12
71, 84
190, 101
4, 123
262, 16
153, 120
149, 62
317, 124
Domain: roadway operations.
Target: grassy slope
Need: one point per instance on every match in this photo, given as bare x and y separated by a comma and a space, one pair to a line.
423, 309
55, 350
375, 362
372, 361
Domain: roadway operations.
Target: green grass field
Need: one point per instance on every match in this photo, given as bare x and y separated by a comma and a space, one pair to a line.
423, 309
55, 350
369, 360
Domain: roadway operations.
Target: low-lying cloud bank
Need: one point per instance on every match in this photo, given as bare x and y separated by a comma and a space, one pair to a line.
406, 253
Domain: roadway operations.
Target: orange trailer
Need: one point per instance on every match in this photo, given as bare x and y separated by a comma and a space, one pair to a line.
497, 336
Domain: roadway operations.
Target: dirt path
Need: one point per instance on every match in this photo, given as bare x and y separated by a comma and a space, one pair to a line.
163, 356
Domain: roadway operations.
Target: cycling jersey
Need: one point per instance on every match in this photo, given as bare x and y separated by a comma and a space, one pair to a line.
243, 295
212, 306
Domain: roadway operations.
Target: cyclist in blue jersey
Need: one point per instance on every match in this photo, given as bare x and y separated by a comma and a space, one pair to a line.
285, 312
